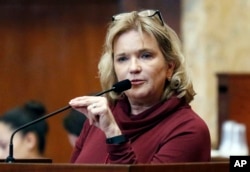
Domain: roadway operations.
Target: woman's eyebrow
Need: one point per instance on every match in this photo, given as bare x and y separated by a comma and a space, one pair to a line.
146, 50
119, 54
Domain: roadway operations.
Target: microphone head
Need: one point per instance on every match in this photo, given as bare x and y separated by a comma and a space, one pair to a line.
122, 86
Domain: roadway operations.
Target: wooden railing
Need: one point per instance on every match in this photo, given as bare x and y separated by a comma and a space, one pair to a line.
176, 167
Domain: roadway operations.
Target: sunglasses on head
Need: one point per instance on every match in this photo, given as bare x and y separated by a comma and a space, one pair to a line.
145, 13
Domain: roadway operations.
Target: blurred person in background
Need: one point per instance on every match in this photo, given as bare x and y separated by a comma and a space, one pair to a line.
73, 123
30, 142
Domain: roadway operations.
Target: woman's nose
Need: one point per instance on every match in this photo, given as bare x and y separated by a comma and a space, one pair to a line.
135, 66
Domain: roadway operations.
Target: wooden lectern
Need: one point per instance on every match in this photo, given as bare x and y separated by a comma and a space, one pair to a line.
175, 167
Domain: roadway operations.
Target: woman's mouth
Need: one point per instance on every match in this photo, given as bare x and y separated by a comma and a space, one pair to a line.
137, 82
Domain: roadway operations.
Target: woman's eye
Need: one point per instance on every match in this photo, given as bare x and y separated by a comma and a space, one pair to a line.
122, 59
146, 56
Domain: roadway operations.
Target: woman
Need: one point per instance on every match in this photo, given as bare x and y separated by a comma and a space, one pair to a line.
152, 122
29, 143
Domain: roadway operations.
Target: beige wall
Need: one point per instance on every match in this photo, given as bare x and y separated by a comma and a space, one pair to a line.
216, 36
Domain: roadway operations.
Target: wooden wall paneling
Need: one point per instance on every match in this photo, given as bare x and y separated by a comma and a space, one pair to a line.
170, 10
223, 98
49, 52
233, 100
239, 101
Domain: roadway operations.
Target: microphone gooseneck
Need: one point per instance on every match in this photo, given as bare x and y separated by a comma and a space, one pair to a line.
118, 88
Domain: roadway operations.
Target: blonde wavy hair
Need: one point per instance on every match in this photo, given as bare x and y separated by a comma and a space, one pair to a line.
169, 43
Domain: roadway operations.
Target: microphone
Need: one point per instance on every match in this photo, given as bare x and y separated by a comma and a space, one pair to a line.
118, 88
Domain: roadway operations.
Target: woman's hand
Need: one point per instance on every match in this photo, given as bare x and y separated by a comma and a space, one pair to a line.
97, 110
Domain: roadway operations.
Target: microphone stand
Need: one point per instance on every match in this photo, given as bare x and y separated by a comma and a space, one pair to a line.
11, 158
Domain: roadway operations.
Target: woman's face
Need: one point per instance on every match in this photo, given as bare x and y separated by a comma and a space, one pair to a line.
137, 57
19, 148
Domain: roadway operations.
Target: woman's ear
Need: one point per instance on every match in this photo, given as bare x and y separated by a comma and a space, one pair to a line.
30, 140
170, 69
